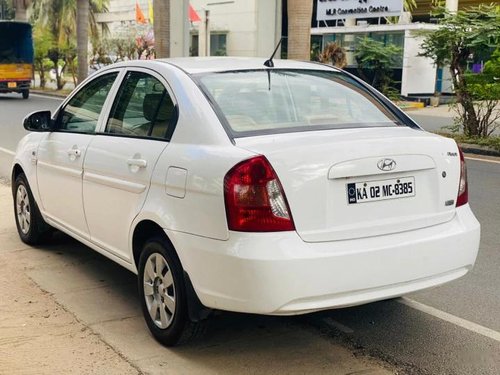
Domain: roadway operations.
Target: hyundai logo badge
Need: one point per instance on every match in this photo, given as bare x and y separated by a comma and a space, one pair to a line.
386, 165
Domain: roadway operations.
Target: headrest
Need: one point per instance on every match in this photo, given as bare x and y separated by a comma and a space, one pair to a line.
150, 106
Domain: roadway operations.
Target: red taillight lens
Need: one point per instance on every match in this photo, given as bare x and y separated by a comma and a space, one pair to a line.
255, 200
463, 193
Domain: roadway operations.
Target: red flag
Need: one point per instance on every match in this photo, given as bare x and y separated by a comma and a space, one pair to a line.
139, 16
193, 16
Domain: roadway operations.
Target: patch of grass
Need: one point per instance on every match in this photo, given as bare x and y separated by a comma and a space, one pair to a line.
63, 92
491, 141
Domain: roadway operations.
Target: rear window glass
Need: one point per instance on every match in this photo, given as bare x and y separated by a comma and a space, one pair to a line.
275, 101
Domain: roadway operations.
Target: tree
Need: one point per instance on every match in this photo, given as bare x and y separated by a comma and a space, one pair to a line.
59, 18
299, 29
462, 36
7, 12
485, 89
82, 38
56, 56
42, 42
161, 10
378, 59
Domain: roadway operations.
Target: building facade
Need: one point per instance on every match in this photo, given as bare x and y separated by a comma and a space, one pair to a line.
236, 28
384, 20
121, 19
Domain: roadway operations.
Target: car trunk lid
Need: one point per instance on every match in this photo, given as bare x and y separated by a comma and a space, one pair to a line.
331, 179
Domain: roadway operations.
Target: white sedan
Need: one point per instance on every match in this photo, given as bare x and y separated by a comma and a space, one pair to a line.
228, 184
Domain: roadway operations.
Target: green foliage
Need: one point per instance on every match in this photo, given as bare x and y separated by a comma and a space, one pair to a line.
8, 12
464, 36
55, 34
42, 42
128, 45
59, 18
380, 59
471, 31
486, 85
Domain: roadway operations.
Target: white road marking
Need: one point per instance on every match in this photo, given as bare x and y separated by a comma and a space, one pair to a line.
470, 326
49, 97
481, 159
333, 323
7, 151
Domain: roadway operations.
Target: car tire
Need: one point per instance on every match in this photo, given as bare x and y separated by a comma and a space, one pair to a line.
26, 94
162, 292
30, 225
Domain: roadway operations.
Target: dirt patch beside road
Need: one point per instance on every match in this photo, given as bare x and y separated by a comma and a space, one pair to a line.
37, 335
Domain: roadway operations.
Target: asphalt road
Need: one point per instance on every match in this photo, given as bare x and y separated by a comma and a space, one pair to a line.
438, 118
453, 329
433, 118
12, 111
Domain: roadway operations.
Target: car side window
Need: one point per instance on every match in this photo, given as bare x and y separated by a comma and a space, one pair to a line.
82, 112
142, 108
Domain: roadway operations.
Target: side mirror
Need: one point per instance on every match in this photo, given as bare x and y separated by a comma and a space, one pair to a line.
40, 121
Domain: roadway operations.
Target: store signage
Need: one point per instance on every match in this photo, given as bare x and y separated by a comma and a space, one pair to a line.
342, 9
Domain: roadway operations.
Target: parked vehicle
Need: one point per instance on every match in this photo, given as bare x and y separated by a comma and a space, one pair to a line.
16, 57
226, 184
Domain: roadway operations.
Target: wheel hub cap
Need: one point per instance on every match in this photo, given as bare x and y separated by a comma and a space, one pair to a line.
23, 209
159, 290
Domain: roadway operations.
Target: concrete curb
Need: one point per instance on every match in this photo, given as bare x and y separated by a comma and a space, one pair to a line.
54, 94
408, 106
478, 150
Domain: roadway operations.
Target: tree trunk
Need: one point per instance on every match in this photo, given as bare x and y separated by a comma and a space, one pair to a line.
299, 29
161, 11
82, 38
21, 9
464, 99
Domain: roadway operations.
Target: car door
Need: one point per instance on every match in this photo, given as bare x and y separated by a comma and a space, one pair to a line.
120, 160
61, 154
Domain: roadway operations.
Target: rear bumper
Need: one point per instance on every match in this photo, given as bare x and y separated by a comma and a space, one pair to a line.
279, 274
20, 86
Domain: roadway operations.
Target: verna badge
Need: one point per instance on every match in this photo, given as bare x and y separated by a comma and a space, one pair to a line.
386, 165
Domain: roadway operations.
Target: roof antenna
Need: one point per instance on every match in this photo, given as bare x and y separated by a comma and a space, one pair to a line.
269, 63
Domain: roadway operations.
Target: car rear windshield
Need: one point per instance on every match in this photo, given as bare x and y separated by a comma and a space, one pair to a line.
277, 101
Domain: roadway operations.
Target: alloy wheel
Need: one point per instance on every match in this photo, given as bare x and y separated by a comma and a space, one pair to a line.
159, 290
23, 209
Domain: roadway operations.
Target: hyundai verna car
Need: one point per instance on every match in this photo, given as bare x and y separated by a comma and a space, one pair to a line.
225, 184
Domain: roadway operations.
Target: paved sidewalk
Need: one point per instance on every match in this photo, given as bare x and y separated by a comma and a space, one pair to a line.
37, 334
66, 309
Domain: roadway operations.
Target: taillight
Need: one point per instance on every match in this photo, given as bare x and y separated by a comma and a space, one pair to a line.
255, 200
463, 193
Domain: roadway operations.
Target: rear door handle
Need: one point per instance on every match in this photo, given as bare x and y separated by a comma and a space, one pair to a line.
141, 163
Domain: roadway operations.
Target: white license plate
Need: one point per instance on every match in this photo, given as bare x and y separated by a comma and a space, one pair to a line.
370, 191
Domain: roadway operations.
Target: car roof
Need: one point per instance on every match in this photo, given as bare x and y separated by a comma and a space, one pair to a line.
195, 65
